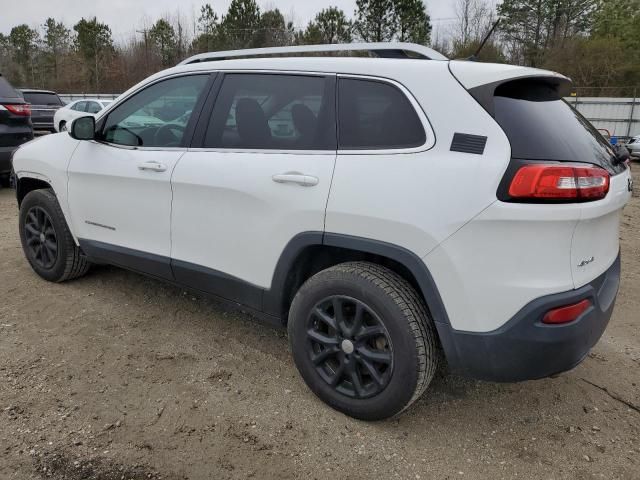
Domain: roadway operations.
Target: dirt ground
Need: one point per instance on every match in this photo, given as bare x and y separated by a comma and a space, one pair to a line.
116, 376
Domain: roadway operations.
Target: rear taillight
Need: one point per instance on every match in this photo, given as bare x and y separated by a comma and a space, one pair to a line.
566, 314
555, 182
23, 110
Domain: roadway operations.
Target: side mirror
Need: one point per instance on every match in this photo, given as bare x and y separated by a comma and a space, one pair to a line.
83, 128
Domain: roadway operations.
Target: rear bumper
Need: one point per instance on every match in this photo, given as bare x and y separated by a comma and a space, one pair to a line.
525, 348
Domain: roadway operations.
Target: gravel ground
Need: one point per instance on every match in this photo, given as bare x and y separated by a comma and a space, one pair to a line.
116, 376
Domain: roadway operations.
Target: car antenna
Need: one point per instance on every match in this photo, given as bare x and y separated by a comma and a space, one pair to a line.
474, 57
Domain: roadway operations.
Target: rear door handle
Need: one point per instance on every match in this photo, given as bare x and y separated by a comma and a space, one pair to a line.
297, 178
152, 166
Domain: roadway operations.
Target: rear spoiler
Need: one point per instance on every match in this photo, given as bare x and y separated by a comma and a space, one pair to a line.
482, 79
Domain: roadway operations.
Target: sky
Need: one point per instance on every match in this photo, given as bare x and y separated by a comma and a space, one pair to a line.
126, 16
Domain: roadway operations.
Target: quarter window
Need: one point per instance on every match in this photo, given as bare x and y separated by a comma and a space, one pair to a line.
376, 115
157, 116
280, 112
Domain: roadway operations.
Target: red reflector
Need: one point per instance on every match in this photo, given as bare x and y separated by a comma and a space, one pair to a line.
550, 182
566, 314
23, 110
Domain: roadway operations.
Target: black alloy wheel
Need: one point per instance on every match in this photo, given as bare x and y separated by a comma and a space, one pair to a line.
350, 346
41, 239
46, 239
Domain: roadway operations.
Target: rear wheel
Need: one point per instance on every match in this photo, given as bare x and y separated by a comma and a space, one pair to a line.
46, 240
362, 340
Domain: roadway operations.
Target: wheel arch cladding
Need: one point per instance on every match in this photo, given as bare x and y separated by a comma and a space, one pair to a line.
311, 252
25, 185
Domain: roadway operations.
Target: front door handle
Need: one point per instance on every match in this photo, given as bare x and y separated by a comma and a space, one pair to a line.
152, 166
297, 178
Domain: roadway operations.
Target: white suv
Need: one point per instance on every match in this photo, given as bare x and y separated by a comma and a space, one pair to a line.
390, 211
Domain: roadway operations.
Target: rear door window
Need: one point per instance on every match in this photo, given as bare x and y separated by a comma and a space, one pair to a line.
541, 125
93, 107
273, 112
376, 115
41, 98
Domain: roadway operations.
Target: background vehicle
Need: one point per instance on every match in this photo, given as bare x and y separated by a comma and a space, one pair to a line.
313, 191
44, 105
78, 108
15, 126
634, 146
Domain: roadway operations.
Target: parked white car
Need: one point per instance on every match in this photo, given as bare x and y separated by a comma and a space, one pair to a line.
390, 212
79, 108
634, 147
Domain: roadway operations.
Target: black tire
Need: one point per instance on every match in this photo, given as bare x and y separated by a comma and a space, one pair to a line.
65, 261
408, 337
62, 127
5, 181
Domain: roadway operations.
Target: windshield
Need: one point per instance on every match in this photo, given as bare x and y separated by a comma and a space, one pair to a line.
542, 126
40, 98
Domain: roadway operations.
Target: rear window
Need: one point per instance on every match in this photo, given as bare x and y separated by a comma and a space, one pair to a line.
42, 98
6, 90
376, 115
540, 125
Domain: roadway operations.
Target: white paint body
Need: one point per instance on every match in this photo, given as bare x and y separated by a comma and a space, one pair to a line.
222, 210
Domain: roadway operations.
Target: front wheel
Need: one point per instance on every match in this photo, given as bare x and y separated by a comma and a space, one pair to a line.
62, 127
46, 240
362, 340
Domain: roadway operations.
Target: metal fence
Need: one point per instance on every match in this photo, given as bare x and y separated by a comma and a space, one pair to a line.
72, 97
619, 116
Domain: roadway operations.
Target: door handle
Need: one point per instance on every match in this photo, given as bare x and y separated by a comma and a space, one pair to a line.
297, 178
152, 166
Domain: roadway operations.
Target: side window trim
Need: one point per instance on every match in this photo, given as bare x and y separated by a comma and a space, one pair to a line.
188, 134
206, 114
426, 124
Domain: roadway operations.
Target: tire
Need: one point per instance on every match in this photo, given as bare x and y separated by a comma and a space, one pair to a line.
41, 212
403, 353
5, 181
62, 127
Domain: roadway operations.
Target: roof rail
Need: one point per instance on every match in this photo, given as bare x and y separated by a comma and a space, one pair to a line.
383, 50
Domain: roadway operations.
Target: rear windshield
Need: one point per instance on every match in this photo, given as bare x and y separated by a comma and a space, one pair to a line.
540, 125
42, 98
6, 90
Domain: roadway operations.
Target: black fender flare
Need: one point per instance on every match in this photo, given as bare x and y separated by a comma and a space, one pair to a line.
273, 298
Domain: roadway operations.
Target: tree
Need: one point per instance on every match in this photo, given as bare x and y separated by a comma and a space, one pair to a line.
533, 26
94, 43
24, 45
273, 30
57, 39
413, 23
386, 20
474, 20
329, 26
163, 38
375, 20
618, 19
239, 25
208, 26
